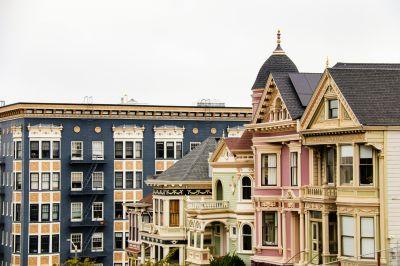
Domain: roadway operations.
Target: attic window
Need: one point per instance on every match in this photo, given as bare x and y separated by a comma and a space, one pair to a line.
333, 109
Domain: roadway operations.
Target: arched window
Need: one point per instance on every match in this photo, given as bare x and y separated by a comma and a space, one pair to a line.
246, 188
219, 191
246, 237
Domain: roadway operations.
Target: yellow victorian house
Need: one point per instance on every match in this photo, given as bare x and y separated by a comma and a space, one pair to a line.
351, 127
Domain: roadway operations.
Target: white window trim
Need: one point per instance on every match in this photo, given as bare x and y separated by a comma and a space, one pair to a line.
71, 246
241, 188
240, 238
102, 211
100, 155
77, 189
81, 206
98, 235
102, 181
196, 143
72, 143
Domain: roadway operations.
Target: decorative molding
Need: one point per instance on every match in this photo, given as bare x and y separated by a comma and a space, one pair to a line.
128, 132
45, 131
169, 132
16, 131
182, 192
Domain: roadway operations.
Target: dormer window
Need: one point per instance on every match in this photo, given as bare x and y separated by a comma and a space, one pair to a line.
333, 109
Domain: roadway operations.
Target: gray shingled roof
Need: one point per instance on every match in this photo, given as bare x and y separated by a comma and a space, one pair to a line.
373, 94
193, 166
366, 65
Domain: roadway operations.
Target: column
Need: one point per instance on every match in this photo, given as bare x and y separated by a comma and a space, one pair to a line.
283, 230
301, 236
142, 254
307, 234
202, 240
325, 237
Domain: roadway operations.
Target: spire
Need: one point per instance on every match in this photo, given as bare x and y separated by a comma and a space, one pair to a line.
327, 62
278, 49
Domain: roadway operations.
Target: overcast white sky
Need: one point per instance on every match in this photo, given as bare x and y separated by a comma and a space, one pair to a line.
178, 51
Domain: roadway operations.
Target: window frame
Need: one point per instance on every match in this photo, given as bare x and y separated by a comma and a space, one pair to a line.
242, 238
97, 152
94, 211
81, 211
294, 169
371, 165
76, 142
330, 109
76, 175
367, 237
98, 235
343, 236
243, 187
264, 236
174, 214
346, 164
264, 170
71, 246
101, 176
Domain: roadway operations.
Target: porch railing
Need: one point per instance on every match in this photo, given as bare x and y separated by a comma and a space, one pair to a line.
324, 192
208, 205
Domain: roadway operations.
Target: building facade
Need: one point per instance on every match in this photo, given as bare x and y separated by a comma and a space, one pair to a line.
68, 169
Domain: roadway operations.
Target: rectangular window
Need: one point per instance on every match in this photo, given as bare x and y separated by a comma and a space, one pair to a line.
119, 180
97, 242
33, 244
34, 149
193, 145
170, 150
139, 180
159, 150
55, 212
348, 230
55, 181
45, 244
270, 228
367, 238
34, 181
97, 211
138, 149
55, 243
269, 170
366, 165
333, 106
45, 149
118, 240
76, 243
17, 244
129, 149
118, 210
346, 164
18, 150
118, 150
18, 181
161, 210
76, 181
128, 180
56, 150
17, 212
45, 212
97, 150
294, 168
97, 181
174, 213
77, 150
34, 212
76, 211
178, 150
331, 165
45, 181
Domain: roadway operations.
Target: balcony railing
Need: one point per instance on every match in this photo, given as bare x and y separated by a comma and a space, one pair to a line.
87, 223
320, 192
208, 205
198, 256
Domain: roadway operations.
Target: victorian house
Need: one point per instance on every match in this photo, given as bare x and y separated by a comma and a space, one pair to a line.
280, 96
224, 224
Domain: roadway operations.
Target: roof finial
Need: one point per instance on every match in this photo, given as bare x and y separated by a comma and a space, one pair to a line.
278, 37
327, 62
278, 49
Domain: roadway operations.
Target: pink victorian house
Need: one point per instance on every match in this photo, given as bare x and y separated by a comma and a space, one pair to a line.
281, 163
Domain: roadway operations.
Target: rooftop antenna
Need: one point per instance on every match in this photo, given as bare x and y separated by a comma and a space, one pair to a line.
88, 99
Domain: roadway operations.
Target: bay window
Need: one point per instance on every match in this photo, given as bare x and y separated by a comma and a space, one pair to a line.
346, 164
294, 168
159, 150
367, 238
178, 147
269, 170
34, 149
270, 228
331, 165
246, 238
170, 150
118, 150
348, 231
366, 165
56, 150
129, 149
45, 149
174, 213
138, 149
246, 188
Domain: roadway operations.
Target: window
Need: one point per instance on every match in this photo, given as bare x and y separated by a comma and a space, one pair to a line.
97, 150
45, 244
366, 165
269, 228
76, 242
246, 238
97, 181
346, 164
293, 168
97, 242
348, 236
138, 150
45, 149
170, 150
55, 182
18, 181
17, 212
159, 150
76, 181
34, 212
161, 211
118, 210
367, 238
17, 244
193, 145
119, 180
269, 170
246, 188
45, 181
18, 150
118, 241
55, 243
55, 212
174, 213
33, 244
139, 180
76, 150
129, 180
119, 150
45, 212
178, 150
97, 211
56, 150
333, 106
76, 211
129, 149
331, 165
34, 149
34, 181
